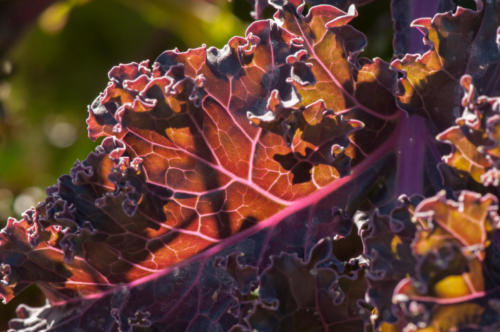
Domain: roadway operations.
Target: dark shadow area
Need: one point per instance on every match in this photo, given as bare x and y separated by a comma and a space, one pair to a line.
466, 4
31, 296
301, 170
375, 21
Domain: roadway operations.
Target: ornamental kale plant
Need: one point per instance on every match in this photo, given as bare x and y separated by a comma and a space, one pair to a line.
282, 183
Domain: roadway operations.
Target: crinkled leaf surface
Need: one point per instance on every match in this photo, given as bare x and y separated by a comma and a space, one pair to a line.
438, 258
387, 243
210, 150
456, 251
406, 39
225, 189
260, 5
463, 42
475, 137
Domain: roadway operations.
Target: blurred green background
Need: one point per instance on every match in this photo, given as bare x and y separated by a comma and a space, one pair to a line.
54, 56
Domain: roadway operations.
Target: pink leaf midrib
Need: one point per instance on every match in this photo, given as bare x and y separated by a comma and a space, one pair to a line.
272, 221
